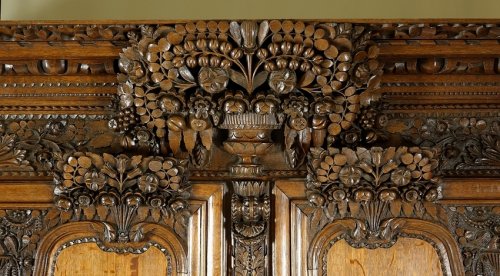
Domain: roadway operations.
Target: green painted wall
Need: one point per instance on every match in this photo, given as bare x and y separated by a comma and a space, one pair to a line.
240, 9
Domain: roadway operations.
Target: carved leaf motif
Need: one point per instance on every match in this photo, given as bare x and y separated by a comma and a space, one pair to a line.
408, 209
395, 207
235, 30
206, 138
431, 209
263, 30
190, 139
174, 140
259, 79
186, 74
89, 212
238, 78
155, 214
109, 232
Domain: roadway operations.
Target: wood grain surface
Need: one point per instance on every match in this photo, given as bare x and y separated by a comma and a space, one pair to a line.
407, 257
88, 259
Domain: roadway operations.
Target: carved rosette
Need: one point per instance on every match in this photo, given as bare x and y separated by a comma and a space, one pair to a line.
372, 187
122, 186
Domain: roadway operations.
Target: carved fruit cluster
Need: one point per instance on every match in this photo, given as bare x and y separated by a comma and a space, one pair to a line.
378, 174
330, 64
86, 179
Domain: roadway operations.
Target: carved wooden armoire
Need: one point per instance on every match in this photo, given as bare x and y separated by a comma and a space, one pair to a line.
270, 147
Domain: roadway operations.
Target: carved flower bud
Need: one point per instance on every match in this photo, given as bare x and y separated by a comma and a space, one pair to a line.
387, 195
298, 48
317, 199
63, 204
249, 33
214, 61
338, 195
191, 62
133, 201
127, 142
201, 44
213, 45
225, 47
270, 66
176, 123
432, 195
305, 66
178, 205
382, 120
317, 59
84, 200
156, 202
351, 136
411, 195
262, 53
316, 70
294, 64
237, 53
273, 48
143, 136
198, 124
286, 47
178, 62
298, 123
203, 61
226, 64
108, 200
308, 53
363, 195
169, 104
189, 46
148, 183
282, 63
319, 122
179, 50
113, 124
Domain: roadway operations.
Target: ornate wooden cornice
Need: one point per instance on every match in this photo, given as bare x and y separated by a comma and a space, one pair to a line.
121, 116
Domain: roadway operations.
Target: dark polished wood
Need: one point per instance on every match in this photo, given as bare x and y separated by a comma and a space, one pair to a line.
249, 147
